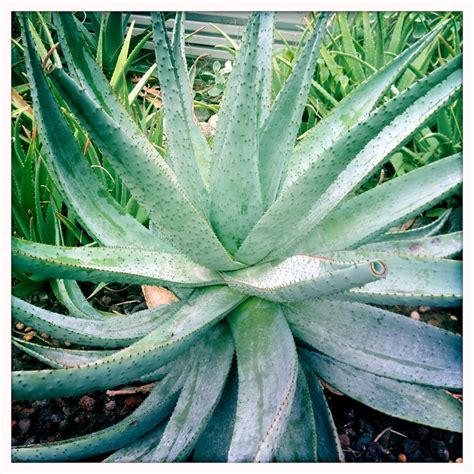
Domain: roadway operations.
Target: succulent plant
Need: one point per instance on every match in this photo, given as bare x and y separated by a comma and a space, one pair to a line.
276, 256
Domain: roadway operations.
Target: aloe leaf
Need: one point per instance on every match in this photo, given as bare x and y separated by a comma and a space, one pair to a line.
348, 46
113, 332
110, 264
153, 410
412, 281
100, 214
268, 368
70, 295
329, 447
149, 179
59, 358
343, 167
425, 354
187, 150
236, 200
199, 396
350, 226
440, 246
420, 232
175, 335
298, 444
213, 444
353, 109
278, 133
416, 403
141, 448
303, 276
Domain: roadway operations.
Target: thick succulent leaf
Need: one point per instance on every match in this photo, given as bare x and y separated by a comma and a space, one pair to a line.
268, 368
110, 264
70, 295
57, 357
205, 309
298, 444
440, 246
353, 109
264, 67
187, 150
100, 214
141, 449
113, 332
344, 166
410, 281
199, 396
329, 447
418, 233
148, 177
213, 444
371, 213
236, 200
416, 403
424, 354
153, 410
278, 134
303, 276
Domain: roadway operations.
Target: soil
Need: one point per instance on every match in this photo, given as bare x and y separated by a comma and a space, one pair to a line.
365, 434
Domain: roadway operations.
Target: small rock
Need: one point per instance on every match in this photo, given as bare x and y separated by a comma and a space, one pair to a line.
424, 309
344, 440
422, 432
16, 442
67, 410
20, 326
24, 425
415, 315
410, 445
375, 452
63, 426
363, 441
87, 403
132, 402
417, 456
402, 458
458, 460
55, 418
453, 318
67, 344
110, 405
44, 335
24, 412
29, 336
439, 450
39, 404
31, 440
28, 329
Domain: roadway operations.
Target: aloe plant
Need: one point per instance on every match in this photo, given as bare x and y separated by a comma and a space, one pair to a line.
278, 259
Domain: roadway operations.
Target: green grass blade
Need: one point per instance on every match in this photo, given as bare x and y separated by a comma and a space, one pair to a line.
268, 368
